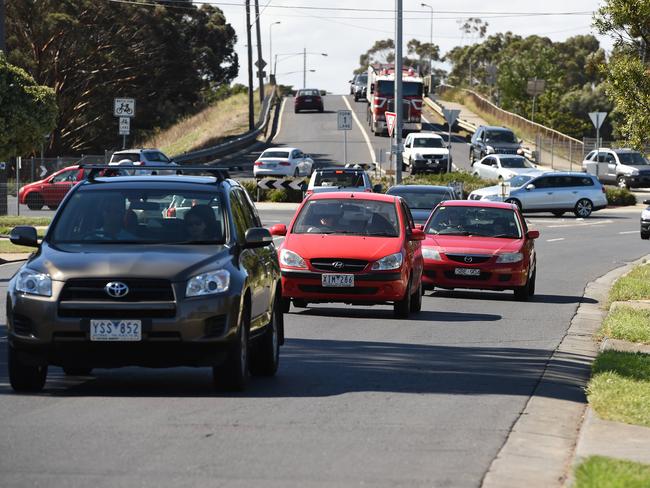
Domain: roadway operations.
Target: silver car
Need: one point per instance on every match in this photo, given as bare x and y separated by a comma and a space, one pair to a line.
623, 167
555, 192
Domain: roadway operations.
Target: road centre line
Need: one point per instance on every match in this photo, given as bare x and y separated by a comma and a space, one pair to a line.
555, 240
363, 131
629, 232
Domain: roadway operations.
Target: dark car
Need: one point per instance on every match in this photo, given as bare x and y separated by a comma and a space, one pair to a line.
422, 199
108, 287
360, 87
493, 140
308, 99
645, 221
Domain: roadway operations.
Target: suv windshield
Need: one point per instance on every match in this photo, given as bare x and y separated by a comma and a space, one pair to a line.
409, 88
362, 79
350, 216
427, 142
140, 216
519, 180
500, 136
633, 158
474, 221
339, 178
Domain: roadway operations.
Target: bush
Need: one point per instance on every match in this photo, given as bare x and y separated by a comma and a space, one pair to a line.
619, 196
470, 182
292, 196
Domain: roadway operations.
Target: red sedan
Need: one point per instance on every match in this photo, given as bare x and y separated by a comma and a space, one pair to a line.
481, 245
357, 248
50, 191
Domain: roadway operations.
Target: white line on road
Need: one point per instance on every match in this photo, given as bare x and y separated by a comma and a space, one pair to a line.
363, 131
581, 224
284, 100
629, 232
555, 240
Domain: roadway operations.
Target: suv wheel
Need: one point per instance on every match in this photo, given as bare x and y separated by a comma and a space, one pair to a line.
645, 235
514, 201
77, 371
401, 308
622, 183
266, 356
25, 377
232, 374
34, 201
583, 208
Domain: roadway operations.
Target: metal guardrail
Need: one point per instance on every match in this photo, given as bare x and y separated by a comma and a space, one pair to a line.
240, 142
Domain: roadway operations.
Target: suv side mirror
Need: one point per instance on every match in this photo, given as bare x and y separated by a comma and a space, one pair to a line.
378, 188
257, 237
530, 187
24, 235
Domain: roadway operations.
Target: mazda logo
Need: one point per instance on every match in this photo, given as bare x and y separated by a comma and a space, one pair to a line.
116, 289
337, 264
468, 259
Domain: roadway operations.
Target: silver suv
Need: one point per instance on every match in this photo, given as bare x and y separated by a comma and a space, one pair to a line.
624, 167
140, 157
337, 178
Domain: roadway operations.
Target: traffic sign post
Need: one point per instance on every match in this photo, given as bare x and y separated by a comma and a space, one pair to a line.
344, 123
125, 129
124, 108
597, 118
391, 118
451, 115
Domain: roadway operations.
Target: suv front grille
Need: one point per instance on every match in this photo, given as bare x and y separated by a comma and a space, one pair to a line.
346, 266
140, 290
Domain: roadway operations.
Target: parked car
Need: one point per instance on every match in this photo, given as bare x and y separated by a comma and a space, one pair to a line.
479, 245
106, 289
283, 161
140, 157
426, 152
360, 87
337, 178
554, 192
308, 99
645, 221
490, 139
623, 167
502, 167
422, 199
51, 190
357, 248
352, 82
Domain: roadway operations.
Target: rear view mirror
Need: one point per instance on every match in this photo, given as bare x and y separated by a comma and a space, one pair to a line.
278, 230
257, 237
24, 235
530, 187
417, 235
532, 234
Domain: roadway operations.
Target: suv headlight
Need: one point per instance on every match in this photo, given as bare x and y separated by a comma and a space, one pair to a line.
430, 253
633, 172
34, 283
208, 283
392, 261
510, 257
645, 215
291, 259
418, 156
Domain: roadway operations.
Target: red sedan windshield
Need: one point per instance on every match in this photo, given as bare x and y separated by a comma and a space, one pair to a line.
475, 221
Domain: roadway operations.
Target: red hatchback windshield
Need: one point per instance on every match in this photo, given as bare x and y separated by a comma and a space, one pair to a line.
475, 221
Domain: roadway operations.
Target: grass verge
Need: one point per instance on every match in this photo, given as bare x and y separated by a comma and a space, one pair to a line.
7, 247
619, 389
633, 286
628, 324
604, 472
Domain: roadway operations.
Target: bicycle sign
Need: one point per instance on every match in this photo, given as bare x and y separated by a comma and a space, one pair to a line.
124, 107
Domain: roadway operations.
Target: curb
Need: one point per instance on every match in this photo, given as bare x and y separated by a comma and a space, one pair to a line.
540, 448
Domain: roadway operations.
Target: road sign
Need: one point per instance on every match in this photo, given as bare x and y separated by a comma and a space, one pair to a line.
391, 118
344, 120
597, 118
124, 107
451, 114
299, 184
535, 87
261, 74
125, 126
260, 63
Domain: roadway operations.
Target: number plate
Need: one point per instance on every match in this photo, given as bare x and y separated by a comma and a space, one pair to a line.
115, 330
467, 271
307, 99
338, 280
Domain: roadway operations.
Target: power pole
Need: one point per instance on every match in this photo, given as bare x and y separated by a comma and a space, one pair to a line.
399, 109
251, 115
3, 47
304, 67
260, 68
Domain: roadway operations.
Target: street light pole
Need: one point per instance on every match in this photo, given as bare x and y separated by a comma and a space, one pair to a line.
260, 68
251, 115
271, 46
430, 39
399, 109
304, 67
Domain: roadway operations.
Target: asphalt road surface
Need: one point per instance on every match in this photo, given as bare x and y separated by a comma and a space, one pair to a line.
360, 398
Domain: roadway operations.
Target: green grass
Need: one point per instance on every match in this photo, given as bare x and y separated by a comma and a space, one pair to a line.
604, 472
12, 221
9, 248
633, 286
628, 324
619, 389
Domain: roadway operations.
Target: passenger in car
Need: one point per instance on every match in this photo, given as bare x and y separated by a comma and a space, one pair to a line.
201, 224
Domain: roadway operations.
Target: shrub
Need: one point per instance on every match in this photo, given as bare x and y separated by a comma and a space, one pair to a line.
470, 182
619, 196
291, 196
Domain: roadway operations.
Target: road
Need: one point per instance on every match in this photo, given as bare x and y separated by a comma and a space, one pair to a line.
360, 397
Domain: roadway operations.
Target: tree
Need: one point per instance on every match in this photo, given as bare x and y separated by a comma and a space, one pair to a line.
382, 51
423, 51
28, 111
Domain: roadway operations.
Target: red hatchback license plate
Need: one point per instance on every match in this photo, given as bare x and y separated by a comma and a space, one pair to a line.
338, 280
467, 271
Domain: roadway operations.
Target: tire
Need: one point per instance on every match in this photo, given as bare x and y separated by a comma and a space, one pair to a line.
298, 302
285, 305
621, 182
25, 377
232, 374
266, 355
356, 98
321, 110
583, 208
52, 207
34, 201
401, 308
514, 201
522, 293
77, 371
645, 235
296, 173
558, 213
531, 285
416, 299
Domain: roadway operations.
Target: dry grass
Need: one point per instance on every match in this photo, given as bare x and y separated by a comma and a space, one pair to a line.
226, 118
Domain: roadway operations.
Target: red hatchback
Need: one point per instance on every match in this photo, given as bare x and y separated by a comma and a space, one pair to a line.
50, 191
482, 245
357, 248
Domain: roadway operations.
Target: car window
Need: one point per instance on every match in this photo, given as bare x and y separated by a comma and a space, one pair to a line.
500, 136
475, 221
427, 142
252, 217
591, 155
240, 217
602, 157
408, 218
348, 216
417, 200
610, 158
543, 182
339, 178
633, 158
70, 175
519, 180
308, 93
489, 162
155, 157
275, 154
580, 181
130, 156
515, 163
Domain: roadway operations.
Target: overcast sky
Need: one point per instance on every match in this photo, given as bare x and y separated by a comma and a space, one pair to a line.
346, 34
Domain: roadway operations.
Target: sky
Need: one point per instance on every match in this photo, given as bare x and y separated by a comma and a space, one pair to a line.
346, 34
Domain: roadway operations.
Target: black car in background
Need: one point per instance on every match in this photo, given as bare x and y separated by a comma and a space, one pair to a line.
120, 281
308, 99
422, 199
493, 140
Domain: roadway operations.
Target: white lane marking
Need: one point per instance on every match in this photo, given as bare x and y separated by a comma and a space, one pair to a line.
284, 100
363, 130
629, 232
555, 240
581, 224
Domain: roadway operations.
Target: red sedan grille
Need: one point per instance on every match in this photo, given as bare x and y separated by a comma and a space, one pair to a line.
468, 258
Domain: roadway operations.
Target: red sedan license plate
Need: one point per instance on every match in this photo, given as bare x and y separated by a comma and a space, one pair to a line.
338, 280
467, 271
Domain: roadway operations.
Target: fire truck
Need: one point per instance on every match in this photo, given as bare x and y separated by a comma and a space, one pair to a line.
381, 94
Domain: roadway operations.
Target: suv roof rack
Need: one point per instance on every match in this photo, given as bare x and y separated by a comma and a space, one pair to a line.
220, 174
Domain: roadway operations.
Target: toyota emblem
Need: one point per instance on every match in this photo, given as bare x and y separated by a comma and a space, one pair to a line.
468, 259
116, 289
337, 264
